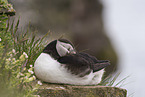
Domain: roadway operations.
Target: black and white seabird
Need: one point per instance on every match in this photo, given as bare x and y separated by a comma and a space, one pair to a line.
60, 63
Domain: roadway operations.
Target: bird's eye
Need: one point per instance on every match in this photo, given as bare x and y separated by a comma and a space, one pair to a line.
68, 48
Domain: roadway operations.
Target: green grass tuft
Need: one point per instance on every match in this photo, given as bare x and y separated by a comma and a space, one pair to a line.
111, 80
18, 52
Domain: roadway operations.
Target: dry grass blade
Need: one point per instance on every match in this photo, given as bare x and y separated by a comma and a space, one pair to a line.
121, 81
16, 27
113, 80
105, 81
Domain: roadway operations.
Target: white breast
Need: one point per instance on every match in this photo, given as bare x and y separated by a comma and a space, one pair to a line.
49, 70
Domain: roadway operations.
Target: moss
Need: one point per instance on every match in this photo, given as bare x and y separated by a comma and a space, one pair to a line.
50, 90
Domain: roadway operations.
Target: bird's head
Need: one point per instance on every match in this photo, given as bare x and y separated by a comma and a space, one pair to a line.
59, 48
64, 47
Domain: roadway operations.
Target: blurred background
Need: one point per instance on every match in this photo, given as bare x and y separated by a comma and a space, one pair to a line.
108, 29
124, 21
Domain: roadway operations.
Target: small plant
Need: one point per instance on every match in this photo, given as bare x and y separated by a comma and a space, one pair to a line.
111, 80
18, 51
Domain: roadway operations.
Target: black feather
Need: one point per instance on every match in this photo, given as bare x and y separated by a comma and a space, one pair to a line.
82, 64
95, 64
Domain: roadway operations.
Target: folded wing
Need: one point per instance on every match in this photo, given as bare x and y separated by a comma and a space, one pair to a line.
82, 64
76, 64
95, 64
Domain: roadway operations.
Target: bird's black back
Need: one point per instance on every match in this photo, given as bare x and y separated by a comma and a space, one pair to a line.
82, 64
95, 64
51, 50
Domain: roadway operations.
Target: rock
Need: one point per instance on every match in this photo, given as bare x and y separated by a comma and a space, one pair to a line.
55, 90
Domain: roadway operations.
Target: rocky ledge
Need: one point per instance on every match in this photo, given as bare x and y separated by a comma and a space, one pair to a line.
54, 90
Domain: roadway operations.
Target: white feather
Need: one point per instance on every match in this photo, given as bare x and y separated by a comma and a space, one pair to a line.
63, 48
49, 70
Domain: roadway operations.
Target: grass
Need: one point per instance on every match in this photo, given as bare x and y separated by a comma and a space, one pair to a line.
111, 80
18, 51
27, 42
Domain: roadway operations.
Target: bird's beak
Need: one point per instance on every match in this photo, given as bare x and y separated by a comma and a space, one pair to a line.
72, 52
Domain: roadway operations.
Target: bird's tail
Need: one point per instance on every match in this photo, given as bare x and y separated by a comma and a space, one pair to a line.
100, 65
